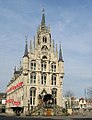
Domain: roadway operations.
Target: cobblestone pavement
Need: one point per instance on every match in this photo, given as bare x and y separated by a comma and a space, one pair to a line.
5, 117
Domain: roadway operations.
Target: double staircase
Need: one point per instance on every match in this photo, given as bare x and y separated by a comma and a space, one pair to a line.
47, 110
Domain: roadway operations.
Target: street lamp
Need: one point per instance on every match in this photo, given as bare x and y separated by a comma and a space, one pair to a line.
66, 106
28, 107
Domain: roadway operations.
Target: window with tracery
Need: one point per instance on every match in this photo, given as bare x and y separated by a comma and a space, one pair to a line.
33, 78
44, 39
43, 66
32, 95
43, 79
53, 79
53, 67
33, 65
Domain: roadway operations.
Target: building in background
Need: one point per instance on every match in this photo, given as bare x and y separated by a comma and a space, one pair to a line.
37, 84
78, 106
2, 102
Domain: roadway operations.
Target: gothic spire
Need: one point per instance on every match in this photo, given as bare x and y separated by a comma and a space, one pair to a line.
56, 52
56, 49
26, 49
43, 19
53, 43
30, 46
34, 42
60, 54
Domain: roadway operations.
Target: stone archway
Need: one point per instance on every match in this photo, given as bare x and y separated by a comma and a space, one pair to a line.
47, 97
48, 101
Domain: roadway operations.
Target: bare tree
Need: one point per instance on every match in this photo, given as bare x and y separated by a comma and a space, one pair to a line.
89, 92
69, 93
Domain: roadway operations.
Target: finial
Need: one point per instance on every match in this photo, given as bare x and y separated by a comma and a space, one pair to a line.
26, 37
43, 10
14, 69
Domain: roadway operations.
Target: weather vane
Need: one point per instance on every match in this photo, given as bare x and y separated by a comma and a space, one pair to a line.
26, 37
43, 10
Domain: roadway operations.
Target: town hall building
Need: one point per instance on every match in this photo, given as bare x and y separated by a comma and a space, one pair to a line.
36, 86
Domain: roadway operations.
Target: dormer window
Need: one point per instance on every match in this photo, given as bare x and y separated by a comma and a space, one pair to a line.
44, 39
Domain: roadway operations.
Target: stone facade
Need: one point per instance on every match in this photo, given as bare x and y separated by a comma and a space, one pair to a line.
41, 73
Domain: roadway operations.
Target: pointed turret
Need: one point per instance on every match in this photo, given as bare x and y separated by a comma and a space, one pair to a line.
56, 52
52, 45
43, 19
34, 42
26, 50
25, 59
60, 54
31, 49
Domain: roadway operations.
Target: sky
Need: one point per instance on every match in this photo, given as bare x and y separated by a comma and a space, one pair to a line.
71, 24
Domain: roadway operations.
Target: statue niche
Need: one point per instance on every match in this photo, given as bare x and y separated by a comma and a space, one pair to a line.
44, 49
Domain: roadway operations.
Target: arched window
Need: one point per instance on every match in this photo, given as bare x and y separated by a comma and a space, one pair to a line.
33, 65
53, 67
44, 39
53, 80
33, 78
32, 95
43, 79
43, 66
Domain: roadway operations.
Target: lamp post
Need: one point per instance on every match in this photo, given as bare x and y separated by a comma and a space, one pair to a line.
54, 106
54, 99
66, 106
28, 107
